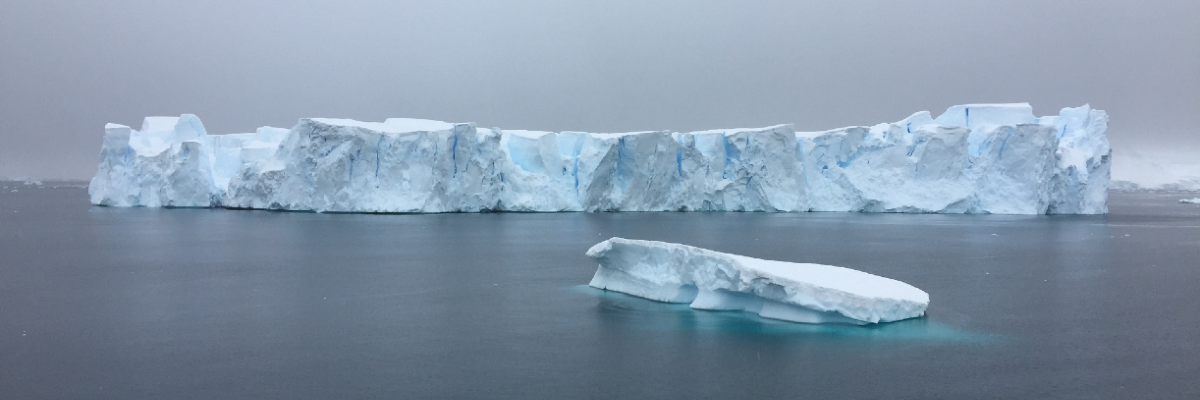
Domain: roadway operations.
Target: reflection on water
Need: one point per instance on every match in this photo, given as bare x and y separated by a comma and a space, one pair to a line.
638, 313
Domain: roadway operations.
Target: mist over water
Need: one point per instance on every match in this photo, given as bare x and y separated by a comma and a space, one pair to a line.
613, 66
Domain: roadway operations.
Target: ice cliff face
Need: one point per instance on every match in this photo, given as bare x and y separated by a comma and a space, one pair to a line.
173, 162
983, 158
994, 158
710, 280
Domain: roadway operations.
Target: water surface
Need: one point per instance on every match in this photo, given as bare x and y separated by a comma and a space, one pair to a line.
118, 303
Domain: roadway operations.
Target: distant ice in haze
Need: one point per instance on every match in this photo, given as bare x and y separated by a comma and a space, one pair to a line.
1190, 201
710, 280
1156, 169
975, 158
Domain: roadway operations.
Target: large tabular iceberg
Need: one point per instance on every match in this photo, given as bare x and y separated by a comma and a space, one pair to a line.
986, 158
709, 280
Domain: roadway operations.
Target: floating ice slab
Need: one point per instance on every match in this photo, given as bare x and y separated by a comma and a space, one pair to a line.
1195, 200
978, 158
710, 280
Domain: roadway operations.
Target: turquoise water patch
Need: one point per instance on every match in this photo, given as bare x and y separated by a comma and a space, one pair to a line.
638, 313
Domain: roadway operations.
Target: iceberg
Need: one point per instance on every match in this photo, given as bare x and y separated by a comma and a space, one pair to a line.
1194, 200
710, 280
979, 158
173, 162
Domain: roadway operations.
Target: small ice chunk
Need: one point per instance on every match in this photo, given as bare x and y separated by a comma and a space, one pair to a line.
1190, 201
710, 280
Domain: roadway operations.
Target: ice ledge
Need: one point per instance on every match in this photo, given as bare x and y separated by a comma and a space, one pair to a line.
710, 280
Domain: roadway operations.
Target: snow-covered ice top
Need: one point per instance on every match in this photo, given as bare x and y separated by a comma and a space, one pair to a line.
390, 125
710, 280
975, 116
978, 158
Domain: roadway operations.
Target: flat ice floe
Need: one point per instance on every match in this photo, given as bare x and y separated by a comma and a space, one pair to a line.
978, 158
710, 280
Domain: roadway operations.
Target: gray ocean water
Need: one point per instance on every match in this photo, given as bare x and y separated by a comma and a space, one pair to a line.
111, 303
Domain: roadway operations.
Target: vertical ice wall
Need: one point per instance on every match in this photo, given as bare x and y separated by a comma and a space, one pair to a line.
173, 162
1084, 162
978, 158
399, 165
982, 158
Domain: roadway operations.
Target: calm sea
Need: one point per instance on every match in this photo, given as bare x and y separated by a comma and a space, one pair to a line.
112, 303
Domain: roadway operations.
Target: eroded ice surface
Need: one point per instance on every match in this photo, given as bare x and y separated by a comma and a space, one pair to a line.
980, 158
710, 280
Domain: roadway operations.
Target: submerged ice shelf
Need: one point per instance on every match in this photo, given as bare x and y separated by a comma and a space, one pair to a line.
982, 158
710, 280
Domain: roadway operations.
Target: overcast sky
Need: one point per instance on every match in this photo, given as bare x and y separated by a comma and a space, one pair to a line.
68, 67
